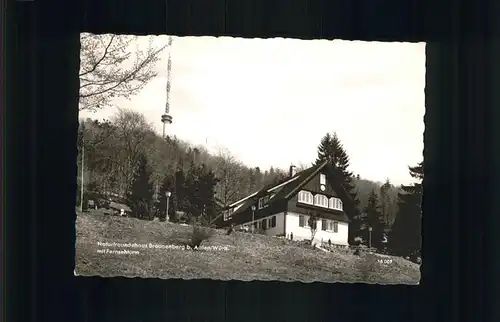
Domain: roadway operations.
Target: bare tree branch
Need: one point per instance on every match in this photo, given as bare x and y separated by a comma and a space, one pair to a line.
100, 60
108, 69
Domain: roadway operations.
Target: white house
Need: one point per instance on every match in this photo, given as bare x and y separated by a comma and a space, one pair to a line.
284, 209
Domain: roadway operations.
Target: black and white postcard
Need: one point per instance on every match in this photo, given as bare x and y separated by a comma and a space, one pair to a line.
250, 159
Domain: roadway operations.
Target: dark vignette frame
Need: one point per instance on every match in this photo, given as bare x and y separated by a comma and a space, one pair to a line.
41, 126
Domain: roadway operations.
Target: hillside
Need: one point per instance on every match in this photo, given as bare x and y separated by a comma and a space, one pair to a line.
236, 180
244, 257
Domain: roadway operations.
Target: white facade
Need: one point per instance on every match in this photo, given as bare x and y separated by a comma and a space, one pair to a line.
300, 233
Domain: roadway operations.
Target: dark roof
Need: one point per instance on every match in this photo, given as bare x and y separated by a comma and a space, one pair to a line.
288, 190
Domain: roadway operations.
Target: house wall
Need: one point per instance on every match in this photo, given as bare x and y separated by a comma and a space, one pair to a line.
280, 227
300, 233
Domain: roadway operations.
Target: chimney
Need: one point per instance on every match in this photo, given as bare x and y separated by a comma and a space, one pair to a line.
293, 170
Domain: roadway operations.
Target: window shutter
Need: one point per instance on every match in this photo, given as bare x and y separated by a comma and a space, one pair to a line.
301, 221
323, 224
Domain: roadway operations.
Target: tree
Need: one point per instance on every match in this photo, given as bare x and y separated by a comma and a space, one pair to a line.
207, 184
200, 183
375, 220
386, 203
331, 149
179, 200
229, 188
99, 149
141, 193
108, 69
404, 238
131, 133
312, 222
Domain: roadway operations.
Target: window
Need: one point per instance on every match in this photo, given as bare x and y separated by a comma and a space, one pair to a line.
273, 221
335, 227
306, 197
323, 224
263, 202
255, 225
335, 203
264, 224
322, 179
302, 221
320, 200
227, 214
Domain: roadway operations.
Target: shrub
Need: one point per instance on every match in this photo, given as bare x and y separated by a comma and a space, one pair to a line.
199, 235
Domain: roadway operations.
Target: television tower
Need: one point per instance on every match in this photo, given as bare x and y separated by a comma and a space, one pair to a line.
167, 118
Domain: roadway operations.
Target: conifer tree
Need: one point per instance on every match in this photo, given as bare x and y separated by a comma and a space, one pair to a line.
179, 195
331, 149
193, 197
200, 183
375, 220
208, 183
386, 202
404, 239
141, 191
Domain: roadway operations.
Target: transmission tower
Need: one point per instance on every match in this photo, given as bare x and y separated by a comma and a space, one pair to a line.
167, 118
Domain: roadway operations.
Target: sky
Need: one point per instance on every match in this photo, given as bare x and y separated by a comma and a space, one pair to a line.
270, 101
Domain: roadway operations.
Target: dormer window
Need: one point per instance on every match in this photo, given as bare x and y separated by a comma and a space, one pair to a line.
335, 203
263, 202
322, 179
306, 197
228, 213
321, 201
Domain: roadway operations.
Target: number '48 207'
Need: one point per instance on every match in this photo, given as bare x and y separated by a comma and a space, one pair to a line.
385, 261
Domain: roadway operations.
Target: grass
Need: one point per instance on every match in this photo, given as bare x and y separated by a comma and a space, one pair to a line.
246, 256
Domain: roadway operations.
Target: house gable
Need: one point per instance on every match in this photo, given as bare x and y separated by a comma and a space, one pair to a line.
314, 184
324, 176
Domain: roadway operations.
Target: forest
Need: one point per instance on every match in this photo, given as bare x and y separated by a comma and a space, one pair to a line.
124, 157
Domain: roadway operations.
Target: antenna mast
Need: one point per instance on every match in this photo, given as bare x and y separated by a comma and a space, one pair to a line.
167, 118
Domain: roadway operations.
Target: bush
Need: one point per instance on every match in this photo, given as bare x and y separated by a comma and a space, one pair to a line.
199, 235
